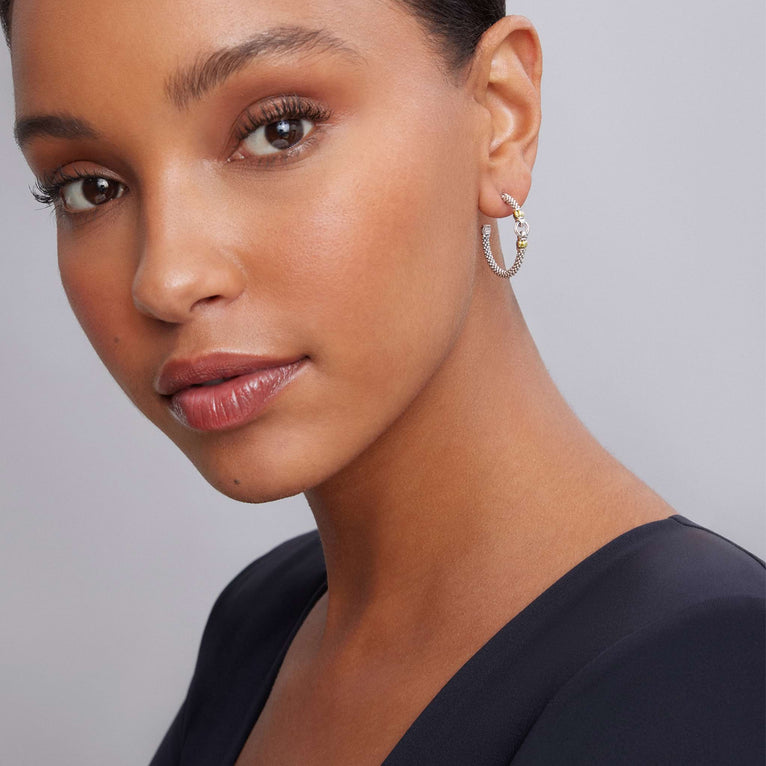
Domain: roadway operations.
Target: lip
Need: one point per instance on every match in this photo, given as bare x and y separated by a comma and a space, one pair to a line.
222, 390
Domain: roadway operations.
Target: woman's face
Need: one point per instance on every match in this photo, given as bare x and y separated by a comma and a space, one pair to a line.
278, 192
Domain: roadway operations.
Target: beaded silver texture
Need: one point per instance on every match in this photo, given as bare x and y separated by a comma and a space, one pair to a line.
521, 227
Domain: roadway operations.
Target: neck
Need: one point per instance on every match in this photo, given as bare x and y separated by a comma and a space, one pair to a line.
451, 497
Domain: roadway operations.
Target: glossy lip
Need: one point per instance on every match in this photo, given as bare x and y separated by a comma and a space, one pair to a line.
177, 374
245, 385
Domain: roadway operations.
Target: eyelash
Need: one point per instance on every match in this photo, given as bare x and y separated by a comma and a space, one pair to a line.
48, 190
283, 108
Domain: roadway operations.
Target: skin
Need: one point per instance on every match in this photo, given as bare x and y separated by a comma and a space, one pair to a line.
450, 481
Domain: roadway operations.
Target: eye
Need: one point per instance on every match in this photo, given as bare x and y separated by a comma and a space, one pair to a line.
89, 192
279, 128
275, 137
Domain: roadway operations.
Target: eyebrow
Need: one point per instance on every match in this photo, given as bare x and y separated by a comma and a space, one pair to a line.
210, 71
191, 83
53, 125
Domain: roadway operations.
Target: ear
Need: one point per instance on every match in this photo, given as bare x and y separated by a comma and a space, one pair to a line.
505, 79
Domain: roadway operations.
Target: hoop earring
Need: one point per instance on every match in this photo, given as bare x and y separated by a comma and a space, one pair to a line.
521, 227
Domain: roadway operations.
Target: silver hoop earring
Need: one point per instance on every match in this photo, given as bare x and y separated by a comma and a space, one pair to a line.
521, 227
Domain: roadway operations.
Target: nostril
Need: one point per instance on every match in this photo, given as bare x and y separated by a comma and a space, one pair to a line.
208, 300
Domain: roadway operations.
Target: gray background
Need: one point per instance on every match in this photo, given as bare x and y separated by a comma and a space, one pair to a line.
644, 289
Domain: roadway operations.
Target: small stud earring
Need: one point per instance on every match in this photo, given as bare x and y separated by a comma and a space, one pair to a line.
521, 227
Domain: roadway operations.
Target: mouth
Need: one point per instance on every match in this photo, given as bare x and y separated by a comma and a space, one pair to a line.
223, 391
209, 383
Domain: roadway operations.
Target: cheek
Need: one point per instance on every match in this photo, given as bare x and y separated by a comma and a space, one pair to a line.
379, 268
93, 291
98, 290
382, 260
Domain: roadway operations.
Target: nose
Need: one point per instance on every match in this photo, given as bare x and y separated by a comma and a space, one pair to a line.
183, 266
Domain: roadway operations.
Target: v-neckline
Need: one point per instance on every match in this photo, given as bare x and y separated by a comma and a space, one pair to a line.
258, 704
514, 622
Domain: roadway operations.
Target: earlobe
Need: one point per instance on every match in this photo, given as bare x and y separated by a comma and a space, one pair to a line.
506, 81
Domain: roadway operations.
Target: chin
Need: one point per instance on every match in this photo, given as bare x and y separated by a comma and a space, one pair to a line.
256, 478
252, 488
248, 491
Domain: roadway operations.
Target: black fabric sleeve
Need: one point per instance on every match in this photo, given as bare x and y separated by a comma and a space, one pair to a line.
690, 689
169, 751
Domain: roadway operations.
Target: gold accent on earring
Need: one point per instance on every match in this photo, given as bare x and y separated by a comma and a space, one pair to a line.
520, 227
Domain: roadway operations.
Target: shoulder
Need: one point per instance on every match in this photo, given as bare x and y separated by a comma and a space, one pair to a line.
659, 569
719, 556
247, 629
685, 689
677, 675
255, 613
648, 575
285, 564
686, 564
275, 587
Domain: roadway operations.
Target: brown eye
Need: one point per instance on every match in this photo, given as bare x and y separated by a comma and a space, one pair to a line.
276, 137
285, 133
87, 193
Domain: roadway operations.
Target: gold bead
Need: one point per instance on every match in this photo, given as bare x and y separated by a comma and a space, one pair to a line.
521, 244
518, 214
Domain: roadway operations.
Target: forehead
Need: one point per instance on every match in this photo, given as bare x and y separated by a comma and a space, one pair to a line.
65, 49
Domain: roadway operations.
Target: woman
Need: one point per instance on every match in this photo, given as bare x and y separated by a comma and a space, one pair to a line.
488, 585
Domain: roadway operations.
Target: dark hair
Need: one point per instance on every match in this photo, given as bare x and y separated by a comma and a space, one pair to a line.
5, 18
456, 26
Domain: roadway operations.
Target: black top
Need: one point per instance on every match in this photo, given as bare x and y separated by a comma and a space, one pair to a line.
649, 652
